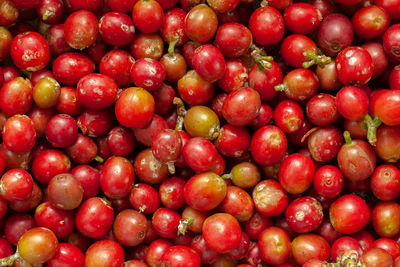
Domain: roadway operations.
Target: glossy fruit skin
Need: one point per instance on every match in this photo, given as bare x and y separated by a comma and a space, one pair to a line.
16, 96
96, 91
201, 23
274, 245
267, 25
81, 29
389, 245
65, 191
263, 81
117, 177
50, 163
194, 90
94, 217
67, 254
295, 47
61, 130
352, 103
148, 74
302, 18
166, 222
117, 64
205, 191
320, 148
289, 116
385, 107
238, 203
387, 143
199, 153
222, 226
134, 107
145, 198
370, 22
116, 28
344, 245
354, 66
269, 198
179, 256
385, 219
377, 257
304, 214
16, 184
335, 33
147, 16
268, 145
357, 160
322, 109
30, 51
209, 62
104, 253
309, 246
130, 227
391, 42
227, 39
296, 173
349, 214
385, 182
19, 134
37, 245
328, 181
69, 68
300, 84
61, 222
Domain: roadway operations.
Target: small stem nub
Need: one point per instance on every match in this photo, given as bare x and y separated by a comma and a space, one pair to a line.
227, 176
280, 87
347, 138
181, 112
372, 126
171, 167
99, 159
313, 59
171, 47
183, 225
9, 261
260, 57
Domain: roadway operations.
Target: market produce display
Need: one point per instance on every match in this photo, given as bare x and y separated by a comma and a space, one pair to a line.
188, 133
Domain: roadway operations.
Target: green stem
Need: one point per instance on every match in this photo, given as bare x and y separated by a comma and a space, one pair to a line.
320, 60
9, 261
171, 167
171, 47
280, 87
372, 126
183, 225
227, 176
347, 138
99, 159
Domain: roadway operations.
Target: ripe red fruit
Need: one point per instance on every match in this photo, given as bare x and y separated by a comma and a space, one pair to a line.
349, 214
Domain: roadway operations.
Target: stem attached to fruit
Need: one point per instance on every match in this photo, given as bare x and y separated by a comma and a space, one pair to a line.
320, 59
372, 126
227, 176
181, 111
9, 261
281, 87
171, 47
99, 159
183, 225
171, 167
347, 138
260, 57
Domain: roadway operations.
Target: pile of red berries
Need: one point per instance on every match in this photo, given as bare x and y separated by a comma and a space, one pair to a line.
186, 133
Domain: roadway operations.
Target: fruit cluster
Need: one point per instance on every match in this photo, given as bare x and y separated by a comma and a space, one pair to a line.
187, 133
